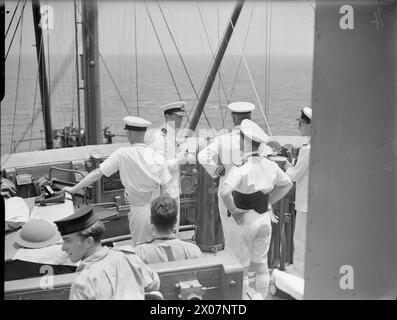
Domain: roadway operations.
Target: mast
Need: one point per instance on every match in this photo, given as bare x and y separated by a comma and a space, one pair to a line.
45, 98
92, 99
209, 234
215, 66
77, 66
2, 48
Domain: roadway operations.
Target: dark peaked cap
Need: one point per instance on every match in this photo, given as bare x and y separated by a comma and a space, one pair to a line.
80, 220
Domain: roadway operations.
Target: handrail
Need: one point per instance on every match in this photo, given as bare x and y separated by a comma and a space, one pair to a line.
65, 170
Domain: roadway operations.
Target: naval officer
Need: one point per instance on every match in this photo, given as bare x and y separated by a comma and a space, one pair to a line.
142, 172
299, 173
249, 190
103, 273
221, 154
167, 143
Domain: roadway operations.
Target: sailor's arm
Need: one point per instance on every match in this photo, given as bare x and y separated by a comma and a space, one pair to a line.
283, 185
157, 141
227, 197
107, 168
230, 184
82, 289
302, 165
279, 192
149, 277
92, 177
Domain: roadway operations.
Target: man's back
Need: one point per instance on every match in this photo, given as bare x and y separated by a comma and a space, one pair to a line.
141, 168
111, 274
226, 147
160, 250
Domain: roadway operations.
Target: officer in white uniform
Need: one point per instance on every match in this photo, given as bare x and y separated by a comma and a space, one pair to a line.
165, 246
103, 273
300, 174
248, 192
142, 172
222, 153
167, 142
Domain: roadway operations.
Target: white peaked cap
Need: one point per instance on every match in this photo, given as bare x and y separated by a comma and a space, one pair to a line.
308, 112
241, 107
136, 123
174, 105
252, 131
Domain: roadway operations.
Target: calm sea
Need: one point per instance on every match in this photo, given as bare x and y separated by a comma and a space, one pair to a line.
289, 88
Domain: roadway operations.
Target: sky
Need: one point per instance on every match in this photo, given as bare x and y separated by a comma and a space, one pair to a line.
278, 27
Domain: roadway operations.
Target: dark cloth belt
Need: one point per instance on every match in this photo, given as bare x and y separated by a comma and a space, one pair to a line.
257, 201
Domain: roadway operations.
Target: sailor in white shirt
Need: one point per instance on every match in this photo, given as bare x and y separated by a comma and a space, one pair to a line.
142, 172
221, 154
300, 174
248, 192
167, 142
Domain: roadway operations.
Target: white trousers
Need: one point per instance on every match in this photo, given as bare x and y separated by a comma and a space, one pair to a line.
249, 242
140, 226
139, 222
226, 223
300, 243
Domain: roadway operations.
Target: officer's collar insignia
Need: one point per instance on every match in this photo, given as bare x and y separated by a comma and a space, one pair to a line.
164, 131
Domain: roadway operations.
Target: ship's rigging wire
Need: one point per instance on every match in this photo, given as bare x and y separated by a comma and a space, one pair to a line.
267, 56
103, 61
136, 61
252, 82
209, 67
55, 83
16, 29
34, 107
162, 51
210, 46
179, 54
168, 66
49, 65
241, 57
17, 86
219, 79
12, 18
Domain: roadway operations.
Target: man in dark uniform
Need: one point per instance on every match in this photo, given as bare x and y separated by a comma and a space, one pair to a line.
104, 274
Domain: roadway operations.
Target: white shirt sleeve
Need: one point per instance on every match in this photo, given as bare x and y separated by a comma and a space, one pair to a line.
111, 164
282, 178
301, 167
